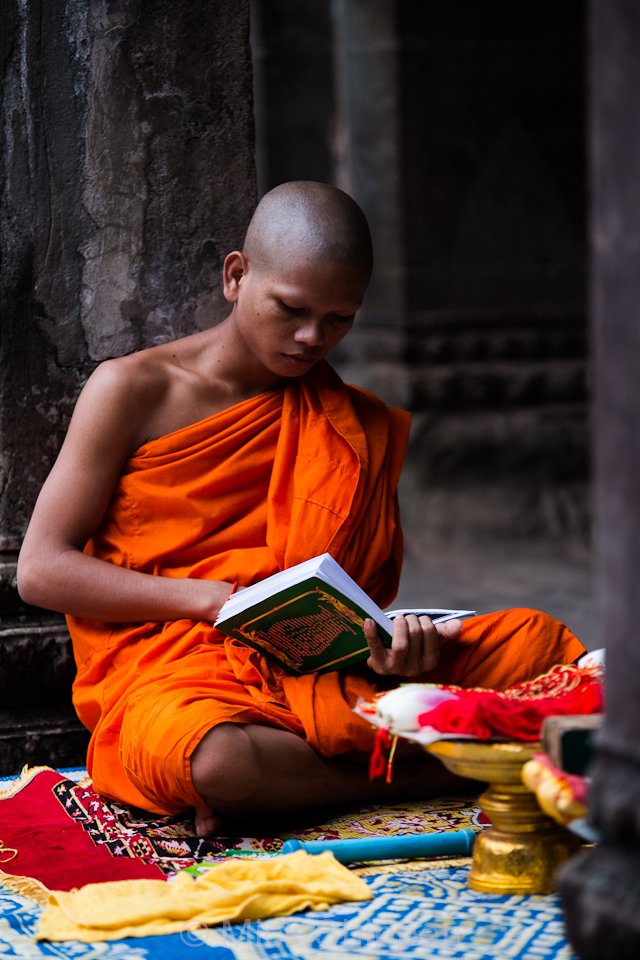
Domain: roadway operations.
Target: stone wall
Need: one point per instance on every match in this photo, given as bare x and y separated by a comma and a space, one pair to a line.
494, 199
127, 174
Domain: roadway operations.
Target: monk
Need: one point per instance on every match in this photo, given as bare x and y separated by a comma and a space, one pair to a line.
216, 460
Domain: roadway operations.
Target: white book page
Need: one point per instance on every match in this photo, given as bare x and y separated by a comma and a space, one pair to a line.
437, 614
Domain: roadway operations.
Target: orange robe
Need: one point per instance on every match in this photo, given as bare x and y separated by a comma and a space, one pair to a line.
256, 488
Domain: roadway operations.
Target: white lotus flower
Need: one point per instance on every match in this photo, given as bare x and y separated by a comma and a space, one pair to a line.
399, 709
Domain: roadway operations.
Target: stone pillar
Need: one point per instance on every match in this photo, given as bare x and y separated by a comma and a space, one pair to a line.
292, 49
368, 147
127, 174
368, 156
601, 890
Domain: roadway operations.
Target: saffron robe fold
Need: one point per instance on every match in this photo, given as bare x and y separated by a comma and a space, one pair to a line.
256, 488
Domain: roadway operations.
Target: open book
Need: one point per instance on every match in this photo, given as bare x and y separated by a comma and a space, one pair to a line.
310, 617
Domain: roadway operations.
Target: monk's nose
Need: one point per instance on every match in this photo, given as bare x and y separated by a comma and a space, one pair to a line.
311, 334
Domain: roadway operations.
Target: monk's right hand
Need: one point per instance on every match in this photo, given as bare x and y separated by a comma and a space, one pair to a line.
415, 645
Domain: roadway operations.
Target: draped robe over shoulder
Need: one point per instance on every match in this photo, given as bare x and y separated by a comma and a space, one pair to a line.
269, 482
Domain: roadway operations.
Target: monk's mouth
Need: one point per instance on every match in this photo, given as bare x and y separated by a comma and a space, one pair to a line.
301, 359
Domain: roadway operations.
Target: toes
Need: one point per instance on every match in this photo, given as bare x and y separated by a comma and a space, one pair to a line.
208, 824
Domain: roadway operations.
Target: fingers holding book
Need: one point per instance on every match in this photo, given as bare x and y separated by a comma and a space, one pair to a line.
415, 645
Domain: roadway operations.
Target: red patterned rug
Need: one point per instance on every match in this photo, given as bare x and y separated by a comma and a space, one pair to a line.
61, 833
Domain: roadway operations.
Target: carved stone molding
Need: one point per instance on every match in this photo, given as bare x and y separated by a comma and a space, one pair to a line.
36, 661
57, 740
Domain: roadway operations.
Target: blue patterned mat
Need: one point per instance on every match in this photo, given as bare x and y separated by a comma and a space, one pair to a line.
426, 914
415, 913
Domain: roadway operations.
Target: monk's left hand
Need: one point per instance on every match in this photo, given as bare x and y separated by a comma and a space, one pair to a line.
415, 645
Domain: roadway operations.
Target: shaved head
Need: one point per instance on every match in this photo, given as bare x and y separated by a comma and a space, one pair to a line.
309, 221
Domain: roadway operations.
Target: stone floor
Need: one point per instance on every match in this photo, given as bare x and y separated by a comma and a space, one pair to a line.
554, 576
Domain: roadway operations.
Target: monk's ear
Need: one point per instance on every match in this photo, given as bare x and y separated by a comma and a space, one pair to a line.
233, 270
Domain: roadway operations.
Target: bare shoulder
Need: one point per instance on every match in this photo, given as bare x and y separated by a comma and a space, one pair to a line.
140, 377
159, 390
133, 383
121, 397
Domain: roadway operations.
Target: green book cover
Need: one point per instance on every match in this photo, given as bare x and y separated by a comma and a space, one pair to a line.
309, 617
310, 627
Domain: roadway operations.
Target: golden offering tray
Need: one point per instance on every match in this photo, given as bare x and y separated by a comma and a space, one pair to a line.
523, 848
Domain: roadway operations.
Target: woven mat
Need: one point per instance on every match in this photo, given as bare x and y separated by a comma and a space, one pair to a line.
416, 912
422, 915
63, 834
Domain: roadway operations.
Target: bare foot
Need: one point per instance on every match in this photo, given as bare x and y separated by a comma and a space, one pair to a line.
208, 823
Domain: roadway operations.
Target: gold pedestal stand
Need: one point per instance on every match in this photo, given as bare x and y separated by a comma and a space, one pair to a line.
523, 848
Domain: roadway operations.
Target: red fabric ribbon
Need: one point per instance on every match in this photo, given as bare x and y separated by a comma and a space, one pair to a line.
484, 714
379, 757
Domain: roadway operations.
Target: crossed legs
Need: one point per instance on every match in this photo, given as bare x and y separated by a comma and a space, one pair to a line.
242, 770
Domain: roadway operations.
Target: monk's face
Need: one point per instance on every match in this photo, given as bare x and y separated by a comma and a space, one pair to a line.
292, 314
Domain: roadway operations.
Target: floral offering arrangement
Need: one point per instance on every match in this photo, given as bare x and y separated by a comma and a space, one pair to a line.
425, 712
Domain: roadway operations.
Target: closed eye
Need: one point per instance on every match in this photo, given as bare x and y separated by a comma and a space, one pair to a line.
338, 318
287, 308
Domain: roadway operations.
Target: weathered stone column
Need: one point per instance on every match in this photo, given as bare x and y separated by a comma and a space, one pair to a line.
127, 174
292, 50
368, 165
602, 889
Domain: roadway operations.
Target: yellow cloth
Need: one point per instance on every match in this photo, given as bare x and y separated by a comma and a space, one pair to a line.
237, 889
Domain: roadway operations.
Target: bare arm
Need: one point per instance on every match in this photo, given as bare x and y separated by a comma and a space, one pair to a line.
53, 572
